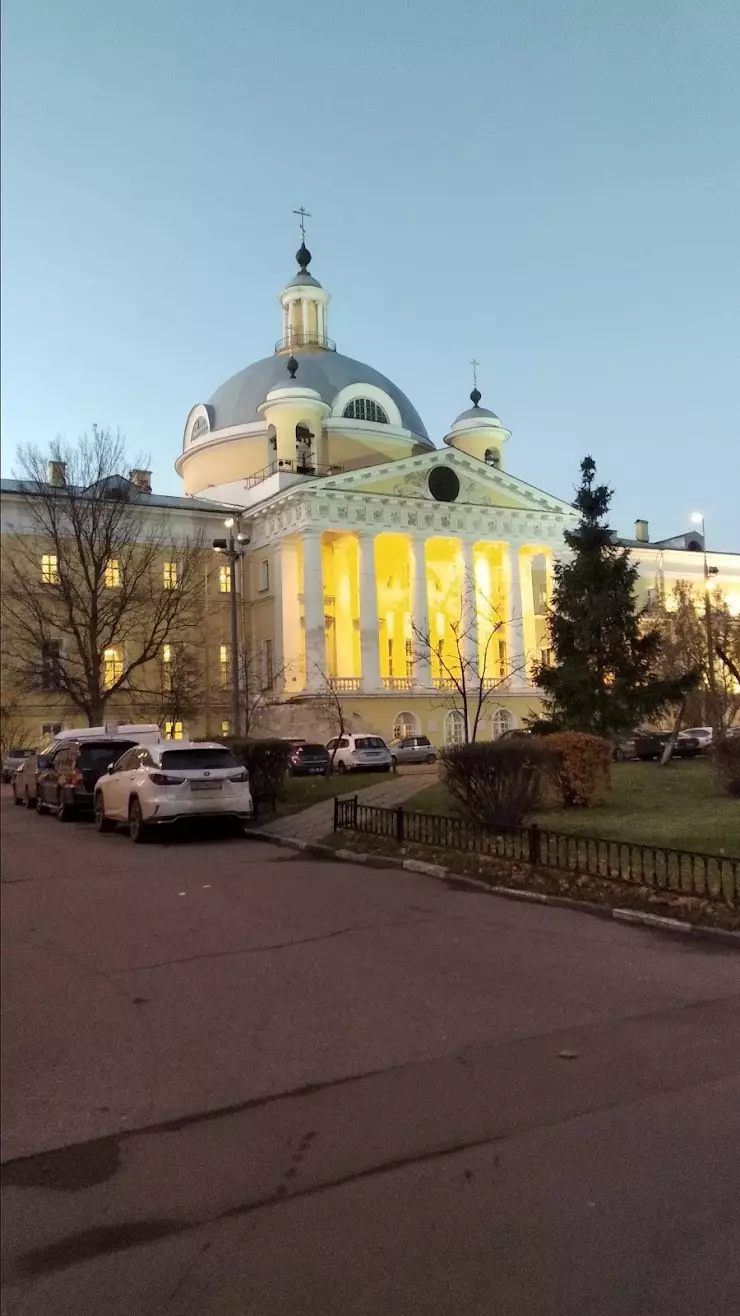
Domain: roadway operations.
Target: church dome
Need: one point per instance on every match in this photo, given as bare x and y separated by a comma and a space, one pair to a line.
237, 401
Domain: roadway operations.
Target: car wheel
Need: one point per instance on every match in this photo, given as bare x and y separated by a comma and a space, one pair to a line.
341, 767
40, 808
394, 761
65, 812
29, 800
16, 797
431, 758
102, 823
137, 828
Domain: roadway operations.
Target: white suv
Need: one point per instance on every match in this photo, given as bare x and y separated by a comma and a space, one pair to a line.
152, 785
360, 753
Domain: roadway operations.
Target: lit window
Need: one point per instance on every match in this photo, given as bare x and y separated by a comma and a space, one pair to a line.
50, 569
112, 573
226, 728
264, 574
173, 731
365, 409
224, 579
268, 674
224, 658
112, 666
168, 656
170, 575
503, 660
409, 661
50, 729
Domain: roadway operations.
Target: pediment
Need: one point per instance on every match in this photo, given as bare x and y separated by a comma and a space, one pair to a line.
479, 485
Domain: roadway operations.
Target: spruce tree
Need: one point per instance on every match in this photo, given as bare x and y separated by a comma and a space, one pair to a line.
605, 674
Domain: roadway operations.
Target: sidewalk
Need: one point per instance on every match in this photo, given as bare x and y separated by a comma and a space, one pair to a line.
316, 822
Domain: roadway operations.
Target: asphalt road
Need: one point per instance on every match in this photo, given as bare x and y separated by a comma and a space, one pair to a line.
238, 1081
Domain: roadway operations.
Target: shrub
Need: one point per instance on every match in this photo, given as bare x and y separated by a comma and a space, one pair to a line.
266, 762
580, 767
496, 781
727, 762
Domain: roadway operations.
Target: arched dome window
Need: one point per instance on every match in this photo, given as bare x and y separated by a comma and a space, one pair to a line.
365, 409
493, 457
501, 722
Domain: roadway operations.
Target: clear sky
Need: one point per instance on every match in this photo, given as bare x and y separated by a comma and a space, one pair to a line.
552, 188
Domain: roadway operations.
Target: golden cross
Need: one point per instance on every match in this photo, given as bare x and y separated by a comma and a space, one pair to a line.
304, 214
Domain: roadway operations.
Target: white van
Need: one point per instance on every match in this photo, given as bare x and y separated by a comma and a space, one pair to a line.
144, 733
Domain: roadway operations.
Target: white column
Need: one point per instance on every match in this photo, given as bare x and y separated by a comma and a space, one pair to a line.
304, 315
419, 612
514, 618
313, 609
320, 320
368, 592
468, 612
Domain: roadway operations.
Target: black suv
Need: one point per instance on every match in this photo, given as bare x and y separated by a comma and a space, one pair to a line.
66, 779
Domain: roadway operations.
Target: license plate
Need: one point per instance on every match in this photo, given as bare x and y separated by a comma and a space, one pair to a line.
316, 769
206, 785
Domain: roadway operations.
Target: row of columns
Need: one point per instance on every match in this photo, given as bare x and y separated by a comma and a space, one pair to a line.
313, 609
296, 317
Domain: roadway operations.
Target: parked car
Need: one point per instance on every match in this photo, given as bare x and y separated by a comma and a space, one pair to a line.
308, 760
623, 748
67, 775
24, 781
651, 744
413, 749
704, 735
14, 759
361, 752
158, 785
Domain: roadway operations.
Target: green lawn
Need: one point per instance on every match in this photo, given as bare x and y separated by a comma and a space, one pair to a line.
302, 792
679, 805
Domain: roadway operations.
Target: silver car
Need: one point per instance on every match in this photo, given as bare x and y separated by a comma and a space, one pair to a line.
14, 759
413, 749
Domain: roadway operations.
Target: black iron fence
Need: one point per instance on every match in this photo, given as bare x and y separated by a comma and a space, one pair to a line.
662, 868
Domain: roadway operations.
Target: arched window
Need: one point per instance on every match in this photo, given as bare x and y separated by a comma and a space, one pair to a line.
406, 724
365, 409
454, 727
501, 721
493, 457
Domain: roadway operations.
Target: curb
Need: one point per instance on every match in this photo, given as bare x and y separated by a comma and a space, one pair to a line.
460, 881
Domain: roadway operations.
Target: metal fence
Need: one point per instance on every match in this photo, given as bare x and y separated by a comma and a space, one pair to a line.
662, 868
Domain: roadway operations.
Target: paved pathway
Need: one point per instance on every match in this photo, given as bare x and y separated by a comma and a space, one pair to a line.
314, 823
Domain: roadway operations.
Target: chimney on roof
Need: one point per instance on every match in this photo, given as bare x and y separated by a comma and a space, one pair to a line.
642, 532
56, 473
141, 479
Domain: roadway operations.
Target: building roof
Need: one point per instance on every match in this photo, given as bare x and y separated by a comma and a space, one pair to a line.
136, 495
477, 413
236, 401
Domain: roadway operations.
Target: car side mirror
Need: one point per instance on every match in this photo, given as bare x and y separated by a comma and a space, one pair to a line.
110, 768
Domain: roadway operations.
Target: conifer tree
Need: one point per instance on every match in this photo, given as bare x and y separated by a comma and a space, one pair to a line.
605, 676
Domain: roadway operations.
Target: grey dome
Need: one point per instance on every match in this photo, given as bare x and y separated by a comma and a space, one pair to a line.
477, 413
302, 280
236, 401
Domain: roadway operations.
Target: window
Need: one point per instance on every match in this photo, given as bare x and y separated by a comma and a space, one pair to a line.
112, 575
546, 657
224, 662
501, 721
224, 579
502, 658
170, 575
454, 727
409, 659
196, 760
50, 729
268, 674
540, 599
492, 457
226, 727
112, 666
51, 665
405, 725
365, 409
168, 661
264, 574
173, 731
50, 569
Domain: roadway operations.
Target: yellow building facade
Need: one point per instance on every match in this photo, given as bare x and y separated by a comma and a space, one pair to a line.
377, 562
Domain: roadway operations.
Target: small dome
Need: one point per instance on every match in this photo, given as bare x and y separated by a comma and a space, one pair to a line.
477, 413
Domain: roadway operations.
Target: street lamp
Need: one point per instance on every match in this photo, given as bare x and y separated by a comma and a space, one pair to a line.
233, 547
698, 519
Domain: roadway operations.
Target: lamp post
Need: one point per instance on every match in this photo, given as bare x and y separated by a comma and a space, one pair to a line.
233, 548
698, 519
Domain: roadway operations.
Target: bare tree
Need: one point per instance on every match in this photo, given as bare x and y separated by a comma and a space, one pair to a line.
179, 690
258, 685
470, 674
12, 726
714, 699
86, 594
328, 708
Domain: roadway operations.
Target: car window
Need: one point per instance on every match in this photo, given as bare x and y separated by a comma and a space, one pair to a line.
422, 740
191, 760
20, 753
344, 743
370, 742
125, 763
96, 755
331, 744
63, 755
407, 743
311, 749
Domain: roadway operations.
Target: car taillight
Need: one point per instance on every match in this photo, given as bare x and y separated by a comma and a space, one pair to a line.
239, 776
161, 779
77, 777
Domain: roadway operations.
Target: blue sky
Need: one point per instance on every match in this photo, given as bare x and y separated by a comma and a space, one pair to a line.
552, 188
